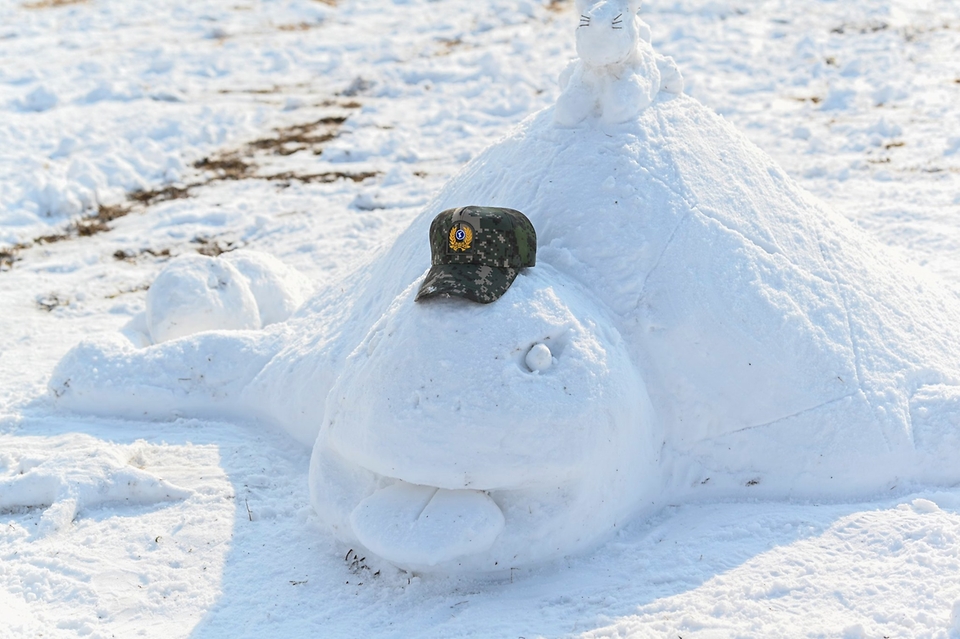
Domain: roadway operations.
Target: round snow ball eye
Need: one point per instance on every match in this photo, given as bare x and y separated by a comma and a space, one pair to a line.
539, 358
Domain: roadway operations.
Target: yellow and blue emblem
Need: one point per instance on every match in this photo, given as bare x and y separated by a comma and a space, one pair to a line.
461, 236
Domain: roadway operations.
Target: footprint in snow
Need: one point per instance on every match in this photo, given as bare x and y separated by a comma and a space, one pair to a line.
77, 474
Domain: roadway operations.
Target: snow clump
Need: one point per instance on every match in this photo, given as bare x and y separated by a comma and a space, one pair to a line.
239, 290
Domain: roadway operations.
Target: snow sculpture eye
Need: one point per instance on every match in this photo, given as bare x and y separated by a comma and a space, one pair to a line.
539, 358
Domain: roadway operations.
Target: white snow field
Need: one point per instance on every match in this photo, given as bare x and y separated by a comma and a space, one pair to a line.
317, 133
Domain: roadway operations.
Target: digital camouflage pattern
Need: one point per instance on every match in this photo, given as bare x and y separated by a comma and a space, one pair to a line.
477, 252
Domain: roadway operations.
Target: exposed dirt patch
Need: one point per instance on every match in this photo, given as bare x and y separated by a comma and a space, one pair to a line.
558, 5
322, 178
49, 302
228, 166
212, 247
309, 137
132, 256
300, 26
448, 45
50, 4
98, 222
911, 33
163, 194
8, 256
274, 89
85, 226
233, 164
869, 27
301, 137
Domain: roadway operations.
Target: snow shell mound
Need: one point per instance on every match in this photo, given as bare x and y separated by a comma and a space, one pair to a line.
783, 349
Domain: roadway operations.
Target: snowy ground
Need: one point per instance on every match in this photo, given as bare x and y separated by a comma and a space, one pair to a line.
132, 131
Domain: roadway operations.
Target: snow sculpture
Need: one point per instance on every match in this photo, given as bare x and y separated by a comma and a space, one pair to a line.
618, 73
697, 326
197, 293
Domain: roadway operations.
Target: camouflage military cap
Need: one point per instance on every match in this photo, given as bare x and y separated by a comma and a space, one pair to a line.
477, 252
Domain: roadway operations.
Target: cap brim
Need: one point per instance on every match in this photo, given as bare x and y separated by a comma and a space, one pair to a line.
482, 284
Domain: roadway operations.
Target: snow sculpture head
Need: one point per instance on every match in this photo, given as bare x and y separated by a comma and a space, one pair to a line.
618, 73
609, 31
449, 444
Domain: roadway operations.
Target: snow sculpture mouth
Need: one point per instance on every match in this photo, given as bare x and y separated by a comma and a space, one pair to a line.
446, 446
407, 523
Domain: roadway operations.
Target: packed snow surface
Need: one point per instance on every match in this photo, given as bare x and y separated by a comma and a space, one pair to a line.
854, 100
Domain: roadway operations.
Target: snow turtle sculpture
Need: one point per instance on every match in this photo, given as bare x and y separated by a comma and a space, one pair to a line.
713, 331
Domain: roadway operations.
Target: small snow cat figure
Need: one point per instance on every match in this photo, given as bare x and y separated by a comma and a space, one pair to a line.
618, 73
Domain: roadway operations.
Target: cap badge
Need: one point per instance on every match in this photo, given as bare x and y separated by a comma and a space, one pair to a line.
461, 236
